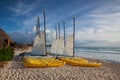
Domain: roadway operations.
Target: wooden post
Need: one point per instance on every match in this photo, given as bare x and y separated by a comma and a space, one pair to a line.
74, 36
44, 14
59, 29
64, 33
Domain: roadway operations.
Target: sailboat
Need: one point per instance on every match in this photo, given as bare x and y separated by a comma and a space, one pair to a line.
67, 50
60, 47
39, 50
57, 46
42, 60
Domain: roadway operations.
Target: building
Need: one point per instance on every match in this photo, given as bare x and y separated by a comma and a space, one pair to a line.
5, 40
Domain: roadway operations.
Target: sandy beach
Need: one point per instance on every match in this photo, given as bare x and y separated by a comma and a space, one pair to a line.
16, 71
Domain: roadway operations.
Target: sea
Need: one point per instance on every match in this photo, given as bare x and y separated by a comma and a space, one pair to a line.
111, 54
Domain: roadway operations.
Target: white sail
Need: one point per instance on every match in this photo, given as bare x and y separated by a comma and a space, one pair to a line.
60, 48
57, 46
68, 50
39, 45
54, 47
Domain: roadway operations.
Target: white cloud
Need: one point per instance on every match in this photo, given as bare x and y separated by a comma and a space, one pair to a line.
21, 8
106, 25
101, 23
34, 28
99, 34
30, 21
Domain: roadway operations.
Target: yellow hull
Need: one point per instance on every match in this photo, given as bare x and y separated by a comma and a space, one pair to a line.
42, 62
69, 60
89, 64
80, 62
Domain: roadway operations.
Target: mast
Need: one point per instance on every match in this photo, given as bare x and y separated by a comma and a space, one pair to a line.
44, 14
73, 35
56, 31
38, 27
64, 33
59, 29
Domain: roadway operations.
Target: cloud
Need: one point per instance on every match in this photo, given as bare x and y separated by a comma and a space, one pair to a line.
22, 8
31, 22
19, 37
34, 29
99, 43
102, 24
98, 21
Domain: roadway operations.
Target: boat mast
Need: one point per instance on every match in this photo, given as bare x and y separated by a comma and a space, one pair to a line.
44, 14
64, 33
38, 27
74, 35
56, 31
59, 29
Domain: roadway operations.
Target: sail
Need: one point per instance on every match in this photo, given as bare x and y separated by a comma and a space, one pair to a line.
39, 45
60, 48
68, 50
57, 46
54, 47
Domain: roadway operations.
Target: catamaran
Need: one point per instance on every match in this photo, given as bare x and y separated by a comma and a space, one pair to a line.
59, 47
39, 50
66, 50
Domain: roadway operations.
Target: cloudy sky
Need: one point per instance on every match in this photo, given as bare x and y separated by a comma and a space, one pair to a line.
96, 20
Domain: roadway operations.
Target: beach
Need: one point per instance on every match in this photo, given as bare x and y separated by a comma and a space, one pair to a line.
16, 71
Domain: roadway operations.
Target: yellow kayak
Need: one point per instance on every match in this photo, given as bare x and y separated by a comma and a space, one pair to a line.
31, 58
55, 63
80, 62
42, 62
88, 64
34, 64
69, 60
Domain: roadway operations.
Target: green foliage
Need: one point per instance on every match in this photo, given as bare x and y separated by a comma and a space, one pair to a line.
6, 54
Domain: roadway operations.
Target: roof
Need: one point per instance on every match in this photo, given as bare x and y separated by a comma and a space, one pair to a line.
4, 35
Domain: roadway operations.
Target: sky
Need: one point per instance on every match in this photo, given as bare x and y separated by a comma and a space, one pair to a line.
96, 20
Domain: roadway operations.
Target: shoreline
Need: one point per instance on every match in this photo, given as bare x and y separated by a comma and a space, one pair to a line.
100, 60
103, 60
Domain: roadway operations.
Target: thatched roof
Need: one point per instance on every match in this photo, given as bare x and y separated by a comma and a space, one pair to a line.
3, 35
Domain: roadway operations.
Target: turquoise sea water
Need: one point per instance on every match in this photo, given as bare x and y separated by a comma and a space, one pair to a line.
104, 53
